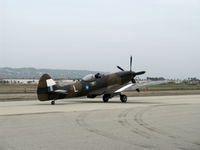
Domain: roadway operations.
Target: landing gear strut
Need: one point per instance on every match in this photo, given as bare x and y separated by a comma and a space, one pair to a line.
123, 98
52, 102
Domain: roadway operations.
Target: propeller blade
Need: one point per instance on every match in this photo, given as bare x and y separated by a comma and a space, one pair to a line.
131, 63
140, 73
120, 68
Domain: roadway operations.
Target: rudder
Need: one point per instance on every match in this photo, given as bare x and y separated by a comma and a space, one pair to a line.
45, 88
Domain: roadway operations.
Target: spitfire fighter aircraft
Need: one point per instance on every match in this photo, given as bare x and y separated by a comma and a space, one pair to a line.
92, 86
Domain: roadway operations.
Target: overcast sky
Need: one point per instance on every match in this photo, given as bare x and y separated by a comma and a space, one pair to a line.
162, 35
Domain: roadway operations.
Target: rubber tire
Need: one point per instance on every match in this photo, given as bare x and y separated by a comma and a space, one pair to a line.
123, 98
105, 99
52, 102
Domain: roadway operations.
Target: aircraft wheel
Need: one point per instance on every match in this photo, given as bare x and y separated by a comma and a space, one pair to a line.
52, 102
105, 98
123, 98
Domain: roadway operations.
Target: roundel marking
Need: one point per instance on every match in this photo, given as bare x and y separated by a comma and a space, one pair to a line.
87, 87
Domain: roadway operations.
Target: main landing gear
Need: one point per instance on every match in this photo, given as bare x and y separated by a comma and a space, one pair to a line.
106, 98
123, 98
53, 102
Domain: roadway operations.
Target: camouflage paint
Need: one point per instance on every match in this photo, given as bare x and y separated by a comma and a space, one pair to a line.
107, 84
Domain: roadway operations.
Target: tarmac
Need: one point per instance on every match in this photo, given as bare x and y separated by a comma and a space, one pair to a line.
143, 123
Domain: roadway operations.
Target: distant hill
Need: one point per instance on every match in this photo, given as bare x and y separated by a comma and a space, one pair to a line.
33, 73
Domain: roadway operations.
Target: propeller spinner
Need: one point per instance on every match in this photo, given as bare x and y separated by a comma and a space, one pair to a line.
134, 74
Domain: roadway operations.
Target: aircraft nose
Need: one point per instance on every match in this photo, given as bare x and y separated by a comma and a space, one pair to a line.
127, 74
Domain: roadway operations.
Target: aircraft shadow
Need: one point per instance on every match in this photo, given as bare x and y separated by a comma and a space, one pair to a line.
118, 102
73, 102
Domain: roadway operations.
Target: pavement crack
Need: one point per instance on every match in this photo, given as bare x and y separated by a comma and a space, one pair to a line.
81, 121
139, 119
122, 120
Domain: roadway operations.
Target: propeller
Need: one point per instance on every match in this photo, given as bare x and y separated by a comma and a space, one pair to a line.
131, 63
140, 73
134, 74
120, 68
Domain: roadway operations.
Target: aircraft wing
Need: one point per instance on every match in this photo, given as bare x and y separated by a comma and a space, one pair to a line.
107, 90
134, 86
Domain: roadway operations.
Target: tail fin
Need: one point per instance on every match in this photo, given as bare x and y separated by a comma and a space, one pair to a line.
45, 88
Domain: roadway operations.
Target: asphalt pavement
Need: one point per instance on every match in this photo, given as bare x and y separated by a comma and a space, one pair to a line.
157, 123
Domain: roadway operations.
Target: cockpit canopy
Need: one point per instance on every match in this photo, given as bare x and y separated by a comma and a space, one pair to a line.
92, 77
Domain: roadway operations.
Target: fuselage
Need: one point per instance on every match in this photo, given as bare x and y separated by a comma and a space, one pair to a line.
104, 85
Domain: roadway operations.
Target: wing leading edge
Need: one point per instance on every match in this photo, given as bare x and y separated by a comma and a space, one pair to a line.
134, 86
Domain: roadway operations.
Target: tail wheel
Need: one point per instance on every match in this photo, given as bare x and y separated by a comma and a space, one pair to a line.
105, 98
123, 98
